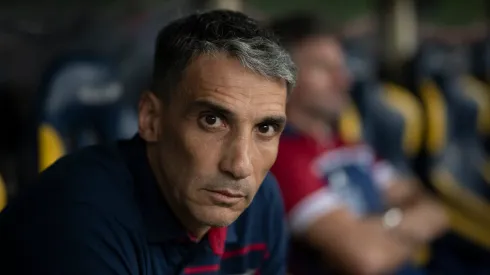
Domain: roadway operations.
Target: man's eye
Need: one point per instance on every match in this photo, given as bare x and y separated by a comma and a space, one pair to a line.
267, 129
211, 121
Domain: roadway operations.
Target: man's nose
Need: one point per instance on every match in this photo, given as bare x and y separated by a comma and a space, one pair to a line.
237, 160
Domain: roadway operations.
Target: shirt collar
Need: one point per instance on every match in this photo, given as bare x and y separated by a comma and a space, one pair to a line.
160, 222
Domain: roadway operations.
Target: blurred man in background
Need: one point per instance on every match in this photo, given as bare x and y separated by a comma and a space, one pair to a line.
349, 212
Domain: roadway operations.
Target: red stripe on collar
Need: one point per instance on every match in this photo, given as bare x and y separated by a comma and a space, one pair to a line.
217, 239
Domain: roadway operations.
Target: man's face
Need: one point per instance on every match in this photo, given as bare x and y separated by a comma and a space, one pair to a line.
323, 79
216, 139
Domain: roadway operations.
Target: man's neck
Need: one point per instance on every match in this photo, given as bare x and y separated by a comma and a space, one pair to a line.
316, 127
195, 229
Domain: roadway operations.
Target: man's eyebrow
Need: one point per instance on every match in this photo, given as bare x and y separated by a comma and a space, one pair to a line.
222, 110
213, 106
279, 120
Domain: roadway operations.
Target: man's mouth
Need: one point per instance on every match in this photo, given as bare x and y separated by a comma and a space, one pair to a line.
226, 196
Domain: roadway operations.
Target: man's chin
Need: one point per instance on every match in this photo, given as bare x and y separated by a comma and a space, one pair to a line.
216, 216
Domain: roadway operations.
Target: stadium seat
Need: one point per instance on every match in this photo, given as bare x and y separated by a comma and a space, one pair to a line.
455, 155
350, 125
387, 116
81, 103
391, 116
480, 74
51, 146
459, 159
393, 125
479, 92
480, 60
404, 119
391, 122
3, 194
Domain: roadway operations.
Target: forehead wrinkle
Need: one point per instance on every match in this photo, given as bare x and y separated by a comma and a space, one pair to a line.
225, 96
234, 76
252, 100
234, 87
252, 89
246, 86
252, 112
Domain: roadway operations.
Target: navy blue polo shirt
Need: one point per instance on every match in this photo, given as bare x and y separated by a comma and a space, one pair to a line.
99, 211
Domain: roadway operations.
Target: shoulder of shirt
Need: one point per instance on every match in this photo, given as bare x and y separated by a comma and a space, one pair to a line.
94, 175
97, 162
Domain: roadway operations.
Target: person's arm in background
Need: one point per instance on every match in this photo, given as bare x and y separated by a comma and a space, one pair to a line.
423, 218
276, 262
319, 218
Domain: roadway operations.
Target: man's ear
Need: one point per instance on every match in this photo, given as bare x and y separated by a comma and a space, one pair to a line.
149, 116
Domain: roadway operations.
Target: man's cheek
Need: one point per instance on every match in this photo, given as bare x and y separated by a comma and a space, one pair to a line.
268, 155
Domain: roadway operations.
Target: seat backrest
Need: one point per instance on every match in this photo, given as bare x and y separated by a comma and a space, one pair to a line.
479, 93
436, 118
480, 73
3, 194
391, 121
448, 100
409, 108
386, 122
82, 103
350, 125
452, 143
51, 146
480, 59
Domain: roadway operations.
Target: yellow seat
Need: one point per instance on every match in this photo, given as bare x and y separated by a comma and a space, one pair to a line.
350, 128
51, 146
435, 107
3, 194
468, 212
404, 103
407, 105
479, 92
409, 108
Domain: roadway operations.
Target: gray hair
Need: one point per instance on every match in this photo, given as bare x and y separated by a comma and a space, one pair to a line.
215, 32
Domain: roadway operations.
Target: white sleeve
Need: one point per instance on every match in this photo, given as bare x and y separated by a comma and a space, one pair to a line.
384, 173
312, 207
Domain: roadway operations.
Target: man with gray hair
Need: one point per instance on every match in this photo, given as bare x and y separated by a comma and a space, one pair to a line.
190, 193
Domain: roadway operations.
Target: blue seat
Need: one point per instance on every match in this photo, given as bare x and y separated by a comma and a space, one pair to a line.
3, 194
391, 116
455, 159
356, 123
480, 59
453, 124
386, 115
82, 102
479, 87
